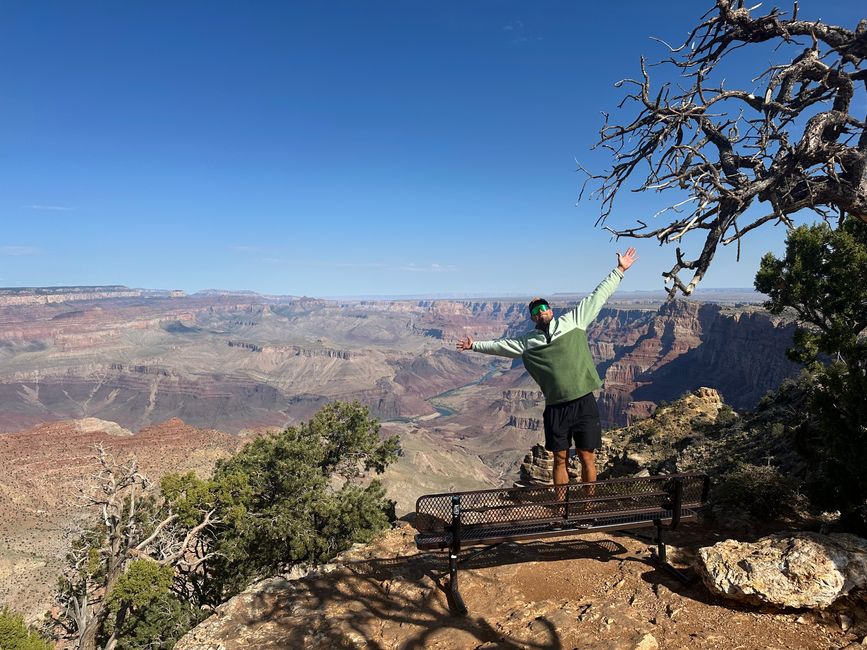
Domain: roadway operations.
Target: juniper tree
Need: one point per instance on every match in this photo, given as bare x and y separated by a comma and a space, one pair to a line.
158, 560
16, 635
821, 278
302, 495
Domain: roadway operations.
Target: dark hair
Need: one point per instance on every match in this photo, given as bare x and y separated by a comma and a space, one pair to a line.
537, 301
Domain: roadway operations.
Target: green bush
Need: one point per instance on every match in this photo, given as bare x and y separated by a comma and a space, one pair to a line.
15, 635
301, 505
726, 416
760, 490
818, 280
294, 497
155, 618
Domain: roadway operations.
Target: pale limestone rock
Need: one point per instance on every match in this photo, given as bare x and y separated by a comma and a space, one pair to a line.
709, 394
647, 642
91, 425
796, 570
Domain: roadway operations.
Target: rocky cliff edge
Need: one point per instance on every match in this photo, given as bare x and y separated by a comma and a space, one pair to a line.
594, 592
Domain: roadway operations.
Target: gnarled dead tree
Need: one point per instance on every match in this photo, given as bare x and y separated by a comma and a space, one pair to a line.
790, 144
133, 523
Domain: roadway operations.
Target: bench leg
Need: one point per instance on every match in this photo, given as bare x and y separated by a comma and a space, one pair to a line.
660, 543
454, 549
457, 600
661, 557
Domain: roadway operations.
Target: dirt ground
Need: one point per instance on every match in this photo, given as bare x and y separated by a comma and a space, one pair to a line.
592, 592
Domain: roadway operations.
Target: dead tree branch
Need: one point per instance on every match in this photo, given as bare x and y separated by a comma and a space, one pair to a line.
793, 144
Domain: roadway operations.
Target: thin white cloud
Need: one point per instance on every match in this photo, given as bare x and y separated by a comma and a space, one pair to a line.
518, 33
360, 265
379, 266
427, 268
19, 251
248, 249
62, 208
411, 267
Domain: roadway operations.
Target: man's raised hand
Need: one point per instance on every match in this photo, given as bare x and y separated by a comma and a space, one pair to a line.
465, 344
627, 259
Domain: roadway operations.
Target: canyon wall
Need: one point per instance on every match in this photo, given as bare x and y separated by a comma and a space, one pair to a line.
647, 358
240, 360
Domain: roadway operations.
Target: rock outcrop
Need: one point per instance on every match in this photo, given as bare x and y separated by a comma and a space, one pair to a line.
538, 469
529, 424
668, 441
788, 570
49, 295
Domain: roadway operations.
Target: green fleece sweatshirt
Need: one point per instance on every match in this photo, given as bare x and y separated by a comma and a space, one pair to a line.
559, 359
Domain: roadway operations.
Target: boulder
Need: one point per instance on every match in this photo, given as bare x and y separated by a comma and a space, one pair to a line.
792, 570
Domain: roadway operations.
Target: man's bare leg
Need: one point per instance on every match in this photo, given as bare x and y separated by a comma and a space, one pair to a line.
587, 458
561, 474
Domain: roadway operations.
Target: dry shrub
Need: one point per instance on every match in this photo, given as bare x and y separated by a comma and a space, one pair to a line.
760, 490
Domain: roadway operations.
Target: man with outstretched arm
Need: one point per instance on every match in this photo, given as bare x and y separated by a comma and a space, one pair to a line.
557, 356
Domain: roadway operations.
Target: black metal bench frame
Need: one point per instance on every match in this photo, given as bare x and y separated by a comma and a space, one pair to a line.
452, 521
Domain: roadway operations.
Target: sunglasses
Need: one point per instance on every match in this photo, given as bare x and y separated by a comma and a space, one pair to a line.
539, 308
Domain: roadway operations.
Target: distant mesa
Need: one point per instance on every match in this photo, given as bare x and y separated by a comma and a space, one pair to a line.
94, 425
50, 291
227, 292
177, 327
45, 295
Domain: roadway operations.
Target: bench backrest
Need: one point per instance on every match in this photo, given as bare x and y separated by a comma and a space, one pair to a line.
625, 496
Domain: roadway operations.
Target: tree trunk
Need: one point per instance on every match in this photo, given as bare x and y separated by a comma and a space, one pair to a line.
111, 644
87, 640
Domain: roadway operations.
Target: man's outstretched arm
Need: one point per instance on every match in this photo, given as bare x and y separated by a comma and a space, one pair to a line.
588, 309
512, 348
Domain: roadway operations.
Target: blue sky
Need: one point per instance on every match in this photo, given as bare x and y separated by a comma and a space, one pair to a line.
325, 148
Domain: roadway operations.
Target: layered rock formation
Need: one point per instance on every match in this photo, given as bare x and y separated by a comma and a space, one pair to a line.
48, 295
262, 355
538, 469
648, 357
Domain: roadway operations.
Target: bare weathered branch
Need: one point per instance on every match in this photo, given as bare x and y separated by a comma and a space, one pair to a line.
794, 145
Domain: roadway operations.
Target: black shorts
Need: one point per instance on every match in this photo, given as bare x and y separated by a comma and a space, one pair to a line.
575, 422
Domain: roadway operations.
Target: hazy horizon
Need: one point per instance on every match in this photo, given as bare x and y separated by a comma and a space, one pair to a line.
620, 295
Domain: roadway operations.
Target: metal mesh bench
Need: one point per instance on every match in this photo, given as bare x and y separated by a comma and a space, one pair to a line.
491, 517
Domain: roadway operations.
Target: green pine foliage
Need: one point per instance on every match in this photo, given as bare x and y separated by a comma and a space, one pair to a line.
294, 496
158, 625
301, 495
144, 582
152, 617
298, 496
822, 279
15, 635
